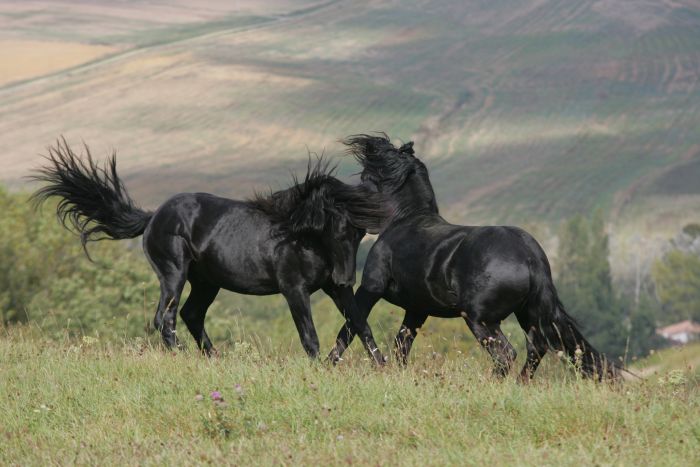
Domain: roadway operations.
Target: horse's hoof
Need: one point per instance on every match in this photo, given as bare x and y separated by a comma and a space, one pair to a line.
334, 357
380, 360
211, 353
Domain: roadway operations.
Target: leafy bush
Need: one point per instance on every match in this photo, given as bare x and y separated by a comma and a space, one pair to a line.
45, 276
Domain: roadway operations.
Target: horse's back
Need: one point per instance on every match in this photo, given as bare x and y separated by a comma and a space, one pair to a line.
227, 241
200, 217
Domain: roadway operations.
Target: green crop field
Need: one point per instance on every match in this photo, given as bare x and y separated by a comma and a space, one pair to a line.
526, 111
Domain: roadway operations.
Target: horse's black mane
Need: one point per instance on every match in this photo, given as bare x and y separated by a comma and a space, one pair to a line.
387, 163
390, 167
309, 204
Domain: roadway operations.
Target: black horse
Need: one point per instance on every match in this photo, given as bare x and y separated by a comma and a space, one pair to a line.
292, 242
430, 267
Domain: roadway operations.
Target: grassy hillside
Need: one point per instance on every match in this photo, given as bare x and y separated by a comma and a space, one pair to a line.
88, 402
527, 111
675, 359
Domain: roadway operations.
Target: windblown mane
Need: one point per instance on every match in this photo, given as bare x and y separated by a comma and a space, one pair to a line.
308, 205
390, 167
387, 163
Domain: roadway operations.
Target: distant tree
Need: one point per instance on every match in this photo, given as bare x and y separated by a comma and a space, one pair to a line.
642, 323
692, 231
677, 280
585, 283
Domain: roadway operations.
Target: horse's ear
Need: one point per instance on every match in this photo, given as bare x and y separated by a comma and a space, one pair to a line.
407, 148
309, 216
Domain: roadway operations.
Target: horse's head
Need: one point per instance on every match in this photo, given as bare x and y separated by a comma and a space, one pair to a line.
335, 214
341, 238
350, 212
395, 172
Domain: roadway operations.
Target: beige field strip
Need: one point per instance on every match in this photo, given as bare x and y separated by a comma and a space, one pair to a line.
26, 59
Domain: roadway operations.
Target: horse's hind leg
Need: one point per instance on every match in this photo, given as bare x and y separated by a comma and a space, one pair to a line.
492, 339
412, 321
195, 309
171, 285
170, 263
536, 345
536, 348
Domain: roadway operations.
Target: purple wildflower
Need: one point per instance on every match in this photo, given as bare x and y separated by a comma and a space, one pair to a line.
216, 395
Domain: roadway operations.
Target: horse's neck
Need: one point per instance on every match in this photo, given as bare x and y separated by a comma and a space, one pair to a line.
416, 196
407, 211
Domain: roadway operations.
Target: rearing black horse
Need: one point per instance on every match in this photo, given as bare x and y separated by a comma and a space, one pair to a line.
292, 242
430, 267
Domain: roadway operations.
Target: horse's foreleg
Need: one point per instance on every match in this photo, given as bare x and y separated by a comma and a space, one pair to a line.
412, 321
346, 334
364, 301
195, 309
358, 322
298, 301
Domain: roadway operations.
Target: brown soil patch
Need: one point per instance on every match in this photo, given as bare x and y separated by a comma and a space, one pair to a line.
25, 59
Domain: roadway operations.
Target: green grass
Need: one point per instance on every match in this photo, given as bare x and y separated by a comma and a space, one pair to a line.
672, 360
88, 402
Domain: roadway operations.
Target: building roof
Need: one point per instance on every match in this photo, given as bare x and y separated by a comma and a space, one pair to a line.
687, 326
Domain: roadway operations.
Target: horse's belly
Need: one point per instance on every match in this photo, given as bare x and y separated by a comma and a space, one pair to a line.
424, 303
249, 287
244, 278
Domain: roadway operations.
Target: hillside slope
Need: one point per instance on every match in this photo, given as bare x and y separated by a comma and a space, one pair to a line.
527, 111
130, 403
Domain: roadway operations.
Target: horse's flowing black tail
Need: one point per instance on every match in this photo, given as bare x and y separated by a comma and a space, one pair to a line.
561, 330
93, 200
